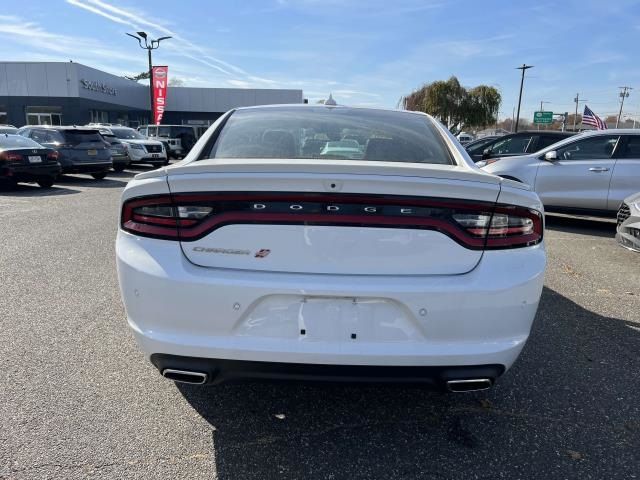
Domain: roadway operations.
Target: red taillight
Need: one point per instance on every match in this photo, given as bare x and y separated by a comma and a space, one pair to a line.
53, 156
10, 157
507, 227
157, 217
474, 225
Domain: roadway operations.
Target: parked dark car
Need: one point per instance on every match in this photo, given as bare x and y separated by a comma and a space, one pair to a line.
519, 143
23, 160
81, 150
119, 150
475, 145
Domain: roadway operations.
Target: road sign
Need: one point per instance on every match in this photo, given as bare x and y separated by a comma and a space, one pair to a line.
543, 117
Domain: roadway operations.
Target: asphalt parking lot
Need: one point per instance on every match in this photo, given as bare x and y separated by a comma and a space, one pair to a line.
78, 400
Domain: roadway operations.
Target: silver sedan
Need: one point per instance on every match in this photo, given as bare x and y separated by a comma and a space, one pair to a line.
628, 231
593, 171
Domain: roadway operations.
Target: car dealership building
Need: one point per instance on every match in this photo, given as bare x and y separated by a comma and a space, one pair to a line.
59, 93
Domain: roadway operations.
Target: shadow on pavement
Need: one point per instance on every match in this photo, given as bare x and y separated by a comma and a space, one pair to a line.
33, 190
87, 181
568, 409
605, 227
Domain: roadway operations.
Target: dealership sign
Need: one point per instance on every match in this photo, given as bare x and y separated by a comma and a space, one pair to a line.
98, 87
159, 81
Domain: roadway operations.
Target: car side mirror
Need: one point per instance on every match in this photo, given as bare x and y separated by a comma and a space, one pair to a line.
486, 153
551, 156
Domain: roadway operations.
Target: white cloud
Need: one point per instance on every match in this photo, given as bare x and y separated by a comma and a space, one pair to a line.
31, 34
178, 44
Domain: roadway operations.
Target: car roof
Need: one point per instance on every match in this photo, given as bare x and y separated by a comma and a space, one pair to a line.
64, 127
328, 107
169, 125
543, 132
614, 131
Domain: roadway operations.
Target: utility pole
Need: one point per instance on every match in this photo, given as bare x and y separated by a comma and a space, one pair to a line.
575, 118
623, 94
523, 68
148, 46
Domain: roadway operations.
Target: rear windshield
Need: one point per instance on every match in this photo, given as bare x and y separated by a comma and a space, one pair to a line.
330, 133
17, 141
75, 137
127, 134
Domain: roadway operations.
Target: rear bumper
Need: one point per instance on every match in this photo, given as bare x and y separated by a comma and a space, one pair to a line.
220, 370
480, 318
140, 156
120, 159
25, 173
87, 167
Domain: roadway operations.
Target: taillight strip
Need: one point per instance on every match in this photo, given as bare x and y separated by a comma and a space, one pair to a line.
235, 208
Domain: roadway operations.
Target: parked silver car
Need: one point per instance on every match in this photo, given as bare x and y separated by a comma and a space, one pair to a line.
628, 231
593, 171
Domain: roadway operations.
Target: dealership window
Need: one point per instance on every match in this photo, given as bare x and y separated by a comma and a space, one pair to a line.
4, 119
44, 116
99, 116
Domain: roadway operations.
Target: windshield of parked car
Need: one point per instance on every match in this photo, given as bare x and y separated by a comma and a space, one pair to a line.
17, 141
331, 133
511, 145
127, 134
477, 146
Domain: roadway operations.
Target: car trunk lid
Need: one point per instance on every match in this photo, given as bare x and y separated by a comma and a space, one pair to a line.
330, 217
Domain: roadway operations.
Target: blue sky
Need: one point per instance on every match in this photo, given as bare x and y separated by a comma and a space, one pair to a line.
367, 52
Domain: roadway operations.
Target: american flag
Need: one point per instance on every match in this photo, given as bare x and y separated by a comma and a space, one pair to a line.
590, 118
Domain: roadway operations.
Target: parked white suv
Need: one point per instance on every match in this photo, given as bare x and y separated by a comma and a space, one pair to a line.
592, 172
264, 254
139, 148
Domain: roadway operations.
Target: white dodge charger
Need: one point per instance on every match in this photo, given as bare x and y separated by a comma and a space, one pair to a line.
272, 251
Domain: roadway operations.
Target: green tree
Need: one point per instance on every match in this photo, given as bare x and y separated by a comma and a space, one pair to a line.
138, 77
456, 106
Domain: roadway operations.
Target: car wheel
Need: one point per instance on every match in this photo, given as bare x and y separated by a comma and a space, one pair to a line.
99, 175
166, 162
45, 182
119, 167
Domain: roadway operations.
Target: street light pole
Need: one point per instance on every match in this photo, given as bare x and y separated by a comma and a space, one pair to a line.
523, 68
149, 45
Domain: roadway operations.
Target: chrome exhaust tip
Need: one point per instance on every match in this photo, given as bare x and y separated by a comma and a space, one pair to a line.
185, 376
470, 385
